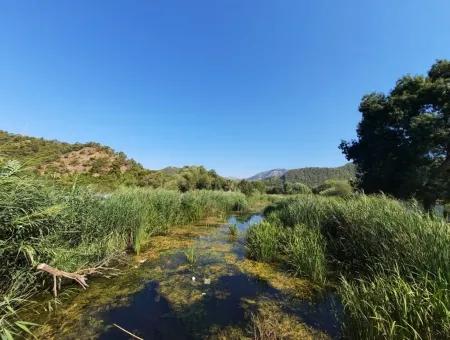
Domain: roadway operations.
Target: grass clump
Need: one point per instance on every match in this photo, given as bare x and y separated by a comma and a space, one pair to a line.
305, 255
300, 249
191, 255
263, 241
233, 231
390, 306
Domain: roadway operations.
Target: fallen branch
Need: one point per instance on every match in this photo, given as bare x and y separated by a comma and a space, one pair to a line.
78, 276
129, 333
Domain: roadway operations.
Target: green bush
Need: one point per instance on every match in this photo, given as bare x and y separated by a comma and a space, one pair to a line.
334, 187
296, 188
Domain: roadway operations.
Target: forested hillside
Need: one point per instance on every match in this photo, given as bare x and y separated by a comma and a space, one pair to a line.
315, 176
99, 166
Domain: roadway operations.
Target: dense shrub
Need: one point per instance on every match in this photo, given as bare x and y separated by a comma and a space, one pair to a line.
296, 188
334, 187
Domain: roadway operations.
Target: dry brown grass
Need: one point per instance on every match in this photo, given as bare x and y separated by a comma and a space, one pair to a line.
82, 161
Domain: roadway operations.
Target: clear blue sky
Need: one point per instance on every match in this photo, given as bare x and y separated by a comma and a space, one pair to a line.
236, 85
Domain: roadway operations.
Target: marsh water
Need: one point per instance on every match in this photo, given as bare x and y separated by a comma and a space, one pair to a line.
215, 294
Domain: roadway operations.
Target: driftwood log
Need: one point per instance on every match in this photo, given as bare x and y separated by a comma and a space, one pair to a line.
79, 276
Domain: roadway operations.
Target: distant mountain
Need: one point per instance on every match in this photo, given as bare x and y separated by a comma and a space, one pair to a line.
311, 176
274, 173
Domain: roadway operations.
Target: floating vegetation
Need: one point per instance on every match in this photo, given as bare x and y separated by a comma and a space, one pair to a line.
270, 321
288, 284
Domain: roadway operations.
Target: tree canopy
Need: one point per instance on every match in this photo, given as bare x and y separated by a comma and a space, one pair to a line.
403, 140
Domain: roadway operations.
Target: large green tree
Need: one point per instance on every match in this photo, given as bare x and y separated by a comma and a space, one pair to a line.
403, 144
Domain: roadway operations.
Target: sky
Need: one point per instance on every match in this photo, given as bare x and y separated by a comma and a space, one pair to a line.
240, 86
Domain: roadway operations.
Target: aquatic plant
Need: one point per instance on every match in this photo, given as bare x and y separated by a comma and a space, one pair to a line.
262, 241
302, 249
191, 255
233, 230
271, 322
305, 252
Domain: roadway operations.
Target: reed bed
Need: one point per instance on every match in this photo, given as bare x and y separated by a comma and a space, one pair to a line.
77, 228
392, 258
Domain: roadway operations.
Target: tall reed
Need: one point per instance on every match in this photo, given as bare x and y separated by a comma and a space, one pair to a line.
393, 257
71, 229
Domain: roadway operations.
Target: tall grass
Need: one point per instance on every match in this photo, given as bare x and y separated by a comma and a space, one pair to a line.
393, 257
300, 249
390, 306
366, 232
263, 241
71, 229
305, 255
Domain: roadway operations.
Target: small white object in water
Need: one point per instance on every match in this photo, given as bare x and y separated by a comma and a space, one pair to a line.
203, 294
193, 278
207, 281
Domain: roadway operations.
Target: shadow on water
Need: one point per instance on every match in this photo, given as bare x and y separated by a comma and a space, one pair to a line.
222, 303
323, 313
148, 315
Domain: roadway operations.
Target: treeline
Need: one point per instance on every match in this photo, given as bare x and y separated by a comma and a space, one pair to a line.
315, 176
329, 187
302, 180
103, 169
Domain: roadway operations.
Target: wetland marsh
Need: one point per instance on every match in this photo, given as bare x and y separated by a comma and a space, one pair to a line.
222, 294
